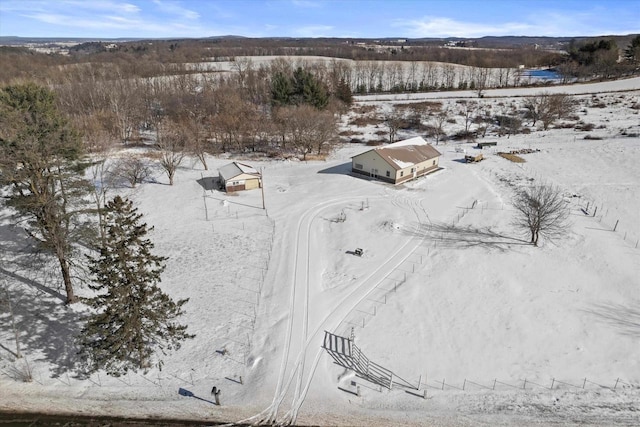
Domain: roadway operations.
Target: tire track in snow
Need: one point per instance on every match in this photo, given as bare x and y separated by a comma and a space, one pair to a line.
364, 290
306, 219
345, 307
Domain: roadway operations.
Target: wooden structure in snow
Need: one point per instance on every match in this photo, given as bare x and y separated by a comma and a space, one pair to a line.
238, 176
473, 158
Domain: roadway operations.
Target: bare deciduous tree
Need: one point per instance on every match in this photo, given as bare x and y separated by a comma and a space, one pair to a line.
438, 121
547, 108
393, 121
102, 182
132, 168
126, 106
467, 110
541, 211
307, 129
171, 142
480, 77
6, 300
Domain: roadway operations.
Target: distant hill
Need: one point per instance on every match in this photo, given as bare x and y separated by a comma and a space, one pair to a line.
17, 41
488, 41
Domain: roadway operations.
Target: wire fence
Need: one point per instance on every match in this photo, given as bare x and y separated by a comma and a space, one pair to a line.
245, 222
388, 287
621, 221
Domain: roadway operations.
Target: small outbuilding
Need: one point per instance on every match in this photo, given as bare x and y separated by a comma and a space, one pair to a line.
399, 162
238, 176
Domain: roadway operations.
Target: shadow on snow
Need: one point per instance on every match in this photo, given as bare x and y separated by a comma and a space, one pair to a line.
455, 236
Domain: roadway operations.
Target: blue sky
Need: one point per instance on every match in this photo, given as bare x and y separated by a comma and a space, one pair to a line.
317, 18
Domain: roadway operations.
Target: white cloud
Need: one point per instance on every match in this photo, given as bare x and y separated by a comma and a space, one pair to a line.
542, 23
100, 5
107, 18
124, 26
447, 27
174, 8
314, 31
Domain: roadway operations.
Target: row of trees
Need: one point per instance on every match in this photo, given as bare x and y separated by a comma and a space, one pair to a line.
198, 114
478, 117
42, 175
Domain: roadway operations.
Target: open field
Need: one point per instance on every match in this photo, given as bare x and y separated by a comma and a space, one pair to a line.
447, 295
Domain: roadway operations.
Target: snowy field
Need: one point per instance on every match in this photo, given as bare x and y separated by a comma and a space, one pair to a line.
447, 295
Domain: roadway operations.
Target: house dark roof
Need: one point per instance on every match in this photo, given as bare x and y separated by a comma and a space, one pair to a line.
407, 153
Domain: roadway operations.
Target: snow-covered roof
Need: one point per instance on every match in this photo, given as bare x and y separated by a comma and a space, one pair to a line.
246, 168
235, 169
416, 140
406, 153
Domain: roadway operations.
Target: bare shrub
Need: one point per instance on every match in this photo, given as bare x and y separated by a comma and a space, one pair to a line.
364, 121
364, 109
132, 168
586, 127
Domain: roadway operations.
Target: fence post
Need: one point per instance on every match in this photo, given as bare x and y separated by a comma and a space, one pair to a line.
464, 384
524, 386
616, 226
614, 387
584, 382
494, 383
553, 381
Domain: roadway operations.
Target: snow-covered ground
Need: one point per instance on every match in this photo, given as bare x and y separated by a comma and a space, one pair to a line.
447, 294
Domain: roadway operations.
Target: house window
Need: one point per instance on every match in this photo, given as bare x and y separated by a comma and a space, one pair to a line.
358, 166
401, 173
413, 170
388, 174
434, 163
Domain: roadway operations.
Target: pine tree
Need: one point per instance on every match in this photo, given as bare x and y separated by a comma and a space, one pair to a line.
343, 92
307, 89
632, 52
281, 90
40, 165
132, 317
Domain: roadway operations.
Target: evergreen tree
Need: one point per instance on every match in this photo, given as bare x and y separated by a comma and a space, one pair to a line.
309, 90
343, 92
632, 52
281, 89
40, 163
302, 88
132, 317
